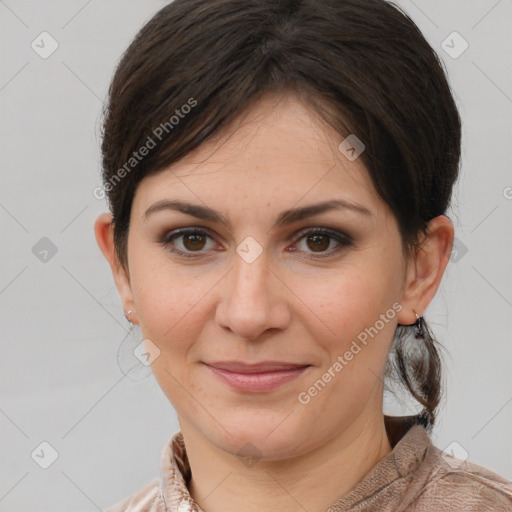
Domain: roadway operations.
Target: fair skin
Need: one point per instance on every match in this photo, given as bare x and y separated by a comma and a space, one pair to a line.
283, 306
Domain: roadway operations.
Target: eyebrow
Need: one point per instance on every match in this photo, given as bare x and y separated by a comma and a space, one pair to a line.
284, 218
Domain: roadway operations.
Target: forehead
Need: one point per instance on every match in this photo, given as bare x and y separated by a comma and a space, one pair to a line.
278, 151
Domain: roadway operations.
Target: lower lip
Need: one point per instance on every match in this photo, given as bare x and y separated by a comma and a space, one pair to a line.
257, 382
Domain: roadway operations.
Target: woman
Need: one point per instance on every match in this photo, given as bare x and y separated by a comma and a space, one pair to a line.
278, 174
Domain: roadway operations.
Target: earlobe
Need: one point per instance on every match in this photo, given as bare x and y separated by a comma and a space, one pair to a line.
427, 269
103, 231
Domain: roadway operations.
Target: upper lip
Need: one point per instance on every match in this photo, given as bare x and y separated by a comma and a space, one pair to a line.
264, 366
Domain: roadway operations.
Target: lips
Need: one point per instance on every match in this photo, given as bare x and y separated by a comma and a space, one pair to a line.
263, 367
258, 377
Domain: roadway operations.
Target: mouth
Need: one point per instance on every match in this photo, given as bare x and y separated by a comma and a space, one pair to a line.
261, 377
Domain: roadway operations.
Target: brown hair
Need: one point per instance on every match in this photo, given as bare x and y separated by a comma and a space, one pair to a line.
363, 65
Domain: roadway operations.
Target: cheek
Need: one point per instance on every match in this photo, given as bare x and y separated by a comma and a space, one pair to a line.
355, 314
348, 300
172, 316
167, 299
170, 312
353, 325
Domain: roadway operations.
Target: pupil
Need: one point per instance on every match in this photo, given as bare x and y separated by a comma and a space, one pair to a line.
196, 239
317, 241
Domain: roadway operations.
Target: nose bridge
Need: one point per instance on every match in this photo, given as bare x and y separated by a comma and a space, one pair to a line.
250, 278
248, 308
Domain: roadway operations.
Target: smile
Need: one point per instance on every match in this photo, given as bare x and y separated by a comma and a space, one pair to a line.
249, 380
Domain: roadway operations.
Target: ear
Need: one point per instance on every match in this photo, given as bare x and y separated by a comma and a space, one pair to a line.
426, 268
103, 229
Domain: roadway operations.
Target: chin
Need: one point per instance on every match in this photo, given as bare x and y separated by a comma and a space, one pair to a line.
262, 435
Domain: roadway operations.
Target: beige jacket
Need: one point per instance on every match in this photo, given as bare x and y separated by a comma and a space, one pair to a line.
415, 477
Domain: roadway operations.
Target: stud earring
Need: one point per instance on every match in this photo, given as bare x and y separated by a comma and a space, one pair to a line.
127, 360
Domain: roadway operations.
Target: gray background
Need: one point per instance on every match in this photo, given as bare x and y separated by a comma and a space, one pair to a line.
61, 319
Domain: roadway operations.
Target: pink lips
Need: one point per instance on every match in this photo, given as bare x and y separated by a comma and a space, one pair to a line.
261, 377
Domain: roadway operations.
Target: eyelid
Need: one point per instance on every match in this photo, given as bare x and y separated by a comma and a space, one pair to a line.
334, 233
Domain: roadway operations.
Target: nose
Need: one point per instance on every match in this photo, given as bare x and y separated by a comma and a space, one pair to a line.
253, 300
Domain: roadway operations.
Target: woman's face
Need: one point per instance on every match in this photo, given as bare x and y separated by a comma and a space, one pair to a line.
260, 287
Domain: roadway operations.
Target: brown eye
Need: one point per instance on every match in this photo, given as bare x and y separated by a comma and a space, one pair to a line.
187, 242
318, 242
194, 241
323, 242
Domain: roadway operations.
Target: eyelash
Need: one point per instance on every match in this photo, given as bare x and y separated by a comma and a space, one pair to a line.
341, 238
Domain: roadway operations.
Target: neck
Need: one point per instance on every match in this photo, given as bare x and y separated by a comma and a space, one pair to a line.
313, 481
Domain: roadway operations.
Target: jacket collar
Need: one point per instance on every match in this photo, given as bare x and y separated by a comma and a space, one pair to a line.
409, 440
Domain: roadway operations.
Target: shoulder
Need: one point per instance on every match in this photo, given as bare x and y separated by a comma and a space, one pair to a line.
454, 484
146, 499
